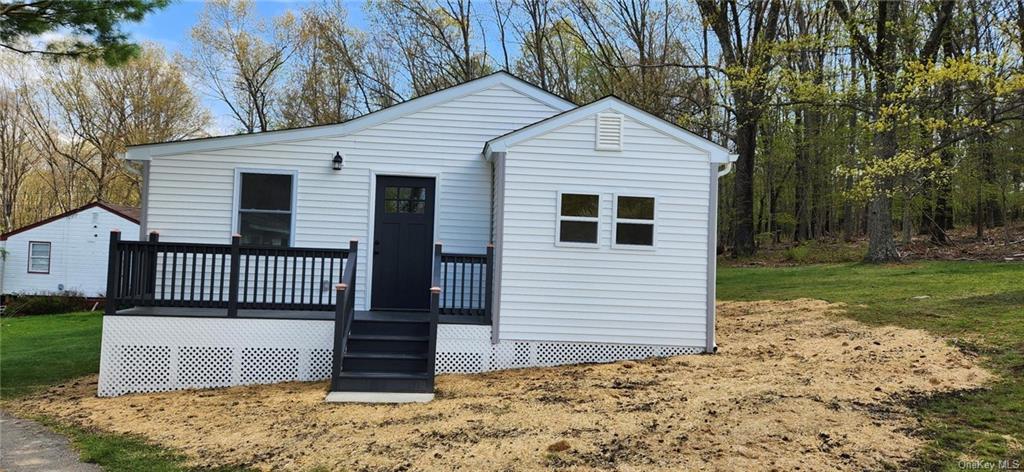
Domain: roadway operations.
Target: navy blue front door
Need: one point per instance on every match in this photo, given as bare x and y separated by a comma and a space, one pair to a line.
403, 241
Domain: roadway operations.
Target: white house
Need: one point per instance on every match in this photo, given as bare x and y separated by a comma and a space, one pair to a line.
65, 253
566, 234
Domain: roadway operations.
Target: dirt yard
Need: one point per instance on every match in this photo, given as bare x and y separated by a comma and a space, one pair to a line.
794, 386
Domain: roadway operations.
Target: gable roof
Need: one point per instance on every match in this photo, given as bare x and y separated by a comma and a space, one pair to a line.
716, 152
126, 212
143, 152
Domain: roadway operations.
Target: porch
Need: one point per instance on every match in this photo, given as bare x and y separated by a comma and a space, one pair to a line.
196, 280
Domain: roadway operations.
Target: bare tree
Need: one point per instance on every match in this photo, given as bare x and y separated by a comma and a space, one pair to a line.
239, 58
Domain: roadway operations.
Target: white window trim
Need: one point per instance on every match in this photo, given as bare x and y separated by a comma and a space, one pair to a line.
559, 218
616, 220
237, 197
49, 257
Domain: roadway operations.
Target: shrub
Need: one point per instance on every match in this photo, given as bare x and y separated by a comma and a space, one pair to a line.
46, 304
797, 253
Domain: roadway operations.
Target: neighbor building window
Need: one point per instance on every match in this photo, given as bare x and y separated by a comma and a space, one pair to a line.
634, 221
38, 257
578, 218
265, 208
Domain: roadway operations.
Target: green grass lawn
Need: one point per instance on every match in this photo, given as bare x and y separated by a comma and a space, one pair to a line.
39, 351
978, 305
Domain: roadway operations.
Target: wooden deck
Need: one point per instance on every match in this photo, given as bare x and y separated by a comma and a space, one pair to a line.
264, 314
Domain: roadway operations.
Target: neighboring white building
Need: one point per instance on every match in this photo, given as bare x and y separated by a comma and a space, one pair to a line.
602, 218
65, 253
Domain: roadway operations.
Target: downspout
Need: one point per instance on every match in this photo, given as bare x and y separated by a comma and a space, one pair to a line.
710, 345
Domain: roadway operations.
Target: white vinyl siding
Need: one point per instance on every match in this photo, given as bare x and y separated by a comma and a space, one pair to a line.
77, 259
551, 292
190, 195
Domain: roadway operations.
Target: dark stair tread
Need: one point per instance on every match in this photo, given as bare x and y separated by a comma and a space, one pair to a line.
393, 316
386, 355
386, 375
387, 337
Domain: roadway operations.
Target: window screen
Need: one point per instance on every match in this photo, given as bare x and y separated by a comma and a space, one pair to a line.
265, 209
39, 257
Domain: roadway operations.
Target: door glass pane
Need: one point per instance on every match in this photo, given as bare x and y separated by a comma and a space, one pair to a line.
266, 192
264, 229
579, 205
635, 234
578, 232
636, 208
405, 199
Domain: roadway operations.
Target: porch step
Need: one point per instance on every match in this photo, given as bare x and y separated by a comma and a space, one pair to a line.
396, 382
383, 343
384, 327
384, 361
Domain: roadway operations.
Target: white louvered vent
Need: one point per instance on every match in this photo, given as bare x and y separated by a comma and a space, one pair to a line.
609, 132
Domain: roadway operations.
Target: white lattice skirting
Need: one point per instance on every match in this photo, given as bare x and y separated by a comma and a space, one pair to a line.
152, 353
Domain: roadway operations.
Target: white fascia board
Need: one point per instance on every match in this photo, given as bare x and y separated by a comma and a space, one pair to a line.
145, 152
715, 152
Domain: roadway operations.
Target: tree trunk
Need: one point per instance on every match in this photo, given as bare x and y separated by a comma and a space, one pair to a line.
802, 187
743, 186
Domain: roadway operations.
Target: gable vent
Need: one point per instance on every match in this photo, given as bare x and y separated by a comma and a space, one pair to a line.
609, 132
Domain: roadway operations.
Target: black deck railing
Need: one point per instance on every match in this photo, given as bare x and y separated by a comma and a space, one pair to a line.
228, 276
465, 281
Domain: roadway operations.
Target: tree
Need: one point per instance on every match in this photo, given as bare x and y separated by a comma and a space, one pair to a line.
240, 59
94, 26
88, 113
746, 35
434, 41
18, 157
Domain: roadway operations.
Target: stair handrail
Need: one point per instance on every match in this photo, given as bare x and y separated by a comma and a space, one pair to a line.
344, 313
435, 310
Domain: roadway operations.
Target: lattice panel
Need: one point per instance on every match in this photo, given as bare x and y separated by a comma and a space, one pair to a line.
147, 368
269, 365
320, 361
204, 366
150, 354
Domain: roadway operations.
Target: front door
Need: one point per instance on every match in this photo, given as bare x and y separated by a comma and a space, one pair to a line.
403, 235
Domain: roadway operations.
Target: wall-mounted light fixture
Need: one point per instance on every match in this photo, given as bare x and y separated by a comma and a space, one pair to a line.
338, 162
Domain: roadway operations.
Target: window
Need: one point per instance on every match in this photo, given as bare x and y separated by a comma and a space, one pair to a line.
578, 218
634, 221
265, 208
38, 257
405, 199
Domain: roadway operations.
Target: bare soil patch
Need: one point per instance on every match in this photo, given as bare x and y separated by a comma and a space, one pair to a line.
793, 386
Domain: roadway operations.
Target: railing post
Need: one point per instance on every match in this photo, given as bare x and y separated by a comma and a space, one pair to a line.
435, 308
488, 286
340, 324
236, 242
151, 255
113, 273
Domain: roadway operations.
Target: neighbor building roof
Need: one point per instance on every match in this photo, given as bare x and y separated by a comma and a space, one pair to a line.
129, 213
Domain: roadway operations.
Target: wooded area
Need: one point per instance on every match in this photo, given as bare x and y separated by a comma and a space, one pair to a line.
851, 118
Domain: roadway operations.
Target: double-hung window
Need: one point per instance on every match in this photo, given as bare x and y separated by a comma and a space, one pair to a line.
578, 218
265, 208
634, 221
38, 257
